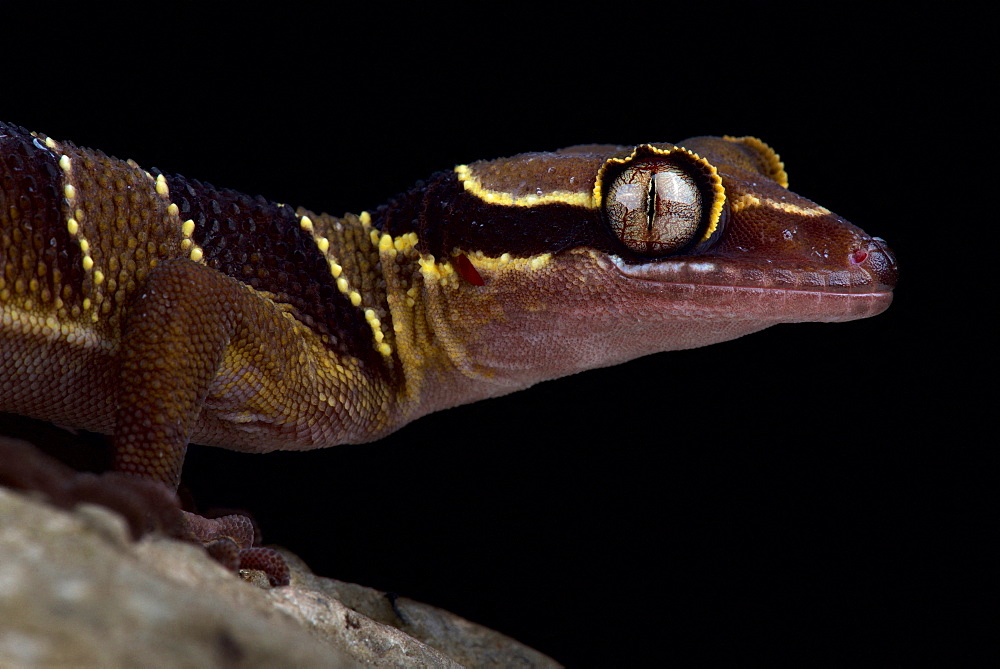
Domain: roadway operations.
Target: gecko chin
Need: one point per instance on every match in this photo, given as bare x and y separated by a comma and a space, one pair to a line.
618, 311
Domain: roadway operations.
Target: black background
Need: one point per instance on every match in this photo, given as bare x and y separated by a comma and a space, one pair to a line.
805, 494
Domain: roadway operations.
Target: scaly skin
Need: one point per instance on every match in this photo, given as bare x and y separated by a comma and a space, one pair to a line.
162, 310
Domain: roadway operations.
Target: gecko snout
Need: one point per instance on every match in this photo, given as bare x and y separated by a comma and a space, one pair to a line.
876, 256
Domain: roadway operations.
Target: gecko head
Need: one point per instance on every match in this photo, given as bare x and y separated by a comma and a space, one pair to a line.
604, 253
780, 256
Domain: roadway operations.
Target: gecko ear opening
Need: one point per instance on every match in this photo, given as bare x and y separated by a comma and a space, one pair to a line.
662, 201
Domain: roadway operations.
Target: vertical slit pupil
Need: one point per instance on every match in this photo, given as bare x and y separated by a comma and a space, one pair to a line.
650, 202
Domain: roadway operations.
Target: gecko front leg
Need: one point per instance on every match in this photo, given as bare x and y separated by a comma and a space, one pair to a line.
174, 339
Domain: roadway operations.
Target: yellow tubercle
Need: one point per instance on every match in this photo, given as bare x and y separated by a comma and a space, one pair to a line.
741, 202
405, 242
161, 185
538, 262
431, 269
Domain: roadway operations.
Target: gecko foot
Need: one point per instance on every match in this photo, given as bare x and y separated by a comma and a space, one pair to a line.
268, 561
230, 541
147, 506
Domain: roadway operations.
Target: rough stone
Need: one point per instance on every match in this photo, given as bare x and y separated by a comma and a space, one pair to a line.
75, 589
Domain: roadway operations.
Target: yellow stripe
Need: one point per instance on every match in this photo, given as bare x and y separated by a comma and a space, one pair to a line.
475, 187
747, 200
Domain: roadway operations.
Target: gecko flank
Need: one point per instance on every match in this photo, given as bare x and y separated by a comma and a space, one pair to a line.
162, 310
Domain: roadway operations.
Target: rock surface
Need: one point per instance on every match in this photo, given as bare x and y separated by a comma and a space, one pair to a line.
75, 589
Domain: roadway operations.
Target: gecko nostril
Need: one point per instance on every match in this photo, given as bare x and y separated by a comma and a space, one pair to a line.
880, 260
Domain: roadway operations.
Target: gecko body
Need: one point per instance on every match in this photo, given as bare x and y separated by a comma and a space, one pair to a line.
162, 310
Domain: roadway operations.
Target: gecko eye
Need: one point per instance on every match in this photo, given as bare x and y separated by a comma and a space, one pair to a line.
663, 203
655, 208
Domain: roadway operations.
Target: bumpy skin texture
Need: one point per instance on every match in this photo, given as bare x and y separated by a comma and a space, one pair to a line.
163, 310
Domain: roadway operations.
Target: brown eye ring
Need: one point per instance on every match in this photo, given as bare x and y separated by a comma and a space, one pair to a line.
662, 202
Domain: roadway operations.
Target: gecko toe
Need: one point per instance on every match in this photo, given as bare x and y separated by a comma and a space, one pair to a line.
268, 561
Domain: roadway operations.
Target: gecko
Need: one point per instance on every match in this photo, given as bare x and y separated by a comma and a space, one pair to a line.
164, 311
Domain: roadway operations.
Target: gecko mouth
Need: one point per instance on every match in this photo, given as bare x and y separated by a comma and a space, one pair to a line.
755, 289
869, 269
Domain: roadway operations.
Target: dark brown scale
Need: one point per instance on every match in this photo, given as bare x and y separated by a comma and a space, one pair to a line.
33, 184
446, 217
263, 245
